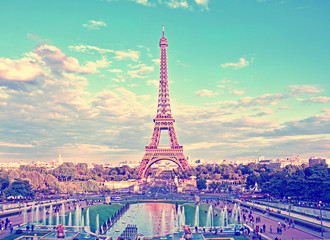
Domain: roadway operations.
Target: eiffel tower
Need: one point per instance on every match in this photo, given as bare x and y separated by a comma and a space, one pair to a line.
163, 121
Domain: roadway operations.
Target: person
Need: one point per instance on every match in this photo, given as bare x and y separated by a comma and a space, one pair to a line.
11, 229
270, 229
27, 228
196, 229
32, 227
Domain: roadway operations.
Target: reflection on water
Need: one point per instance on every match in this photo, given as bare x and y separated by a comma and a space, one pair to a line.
147, 217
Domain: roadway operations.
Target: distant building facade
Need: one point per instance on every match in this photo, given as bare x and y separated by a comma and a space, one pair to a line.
314, 161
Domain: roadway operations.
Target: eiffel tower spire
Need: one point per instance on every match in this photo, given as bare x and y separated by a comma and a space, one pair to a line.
164, 107
163, 121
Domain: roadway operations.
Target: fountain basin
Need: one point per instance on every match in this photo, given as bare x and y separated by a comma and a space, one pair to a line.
53, 236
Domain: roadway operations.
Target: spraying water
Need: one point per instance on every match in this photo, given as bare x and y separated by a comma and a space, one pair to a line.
25, 214
70, 219
172, 226
97, 225
57, 218
179, 217
63, 214
44, 216
32, 213
163, 229
37, 215
209, 217
183, 217
197, 216
50, 220
77, 217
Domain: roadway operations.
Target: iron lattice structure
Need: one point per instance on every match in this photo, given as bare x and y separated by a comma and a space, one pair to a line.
163, 121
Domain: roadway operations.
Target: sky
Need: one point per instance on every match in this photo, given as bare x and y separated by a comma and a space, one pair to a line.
247, 78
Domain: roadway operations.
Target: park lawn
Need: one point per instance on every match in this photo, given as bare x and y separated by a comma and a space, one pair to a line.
104, 211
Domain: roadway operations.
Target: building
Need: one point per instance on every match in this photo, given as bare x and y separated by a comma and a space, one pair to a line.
314, 161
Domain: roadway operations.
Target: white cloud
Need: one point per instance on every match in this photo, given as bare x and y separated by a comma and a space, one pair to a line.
303, 89
57, 60
237, 92
24, 69
115, 70
94, 25
177, 3
320, 99
201, 145
16, 145
89, 49
242, 63
129, 55
140, 73
156, 61
205, 93
153, 83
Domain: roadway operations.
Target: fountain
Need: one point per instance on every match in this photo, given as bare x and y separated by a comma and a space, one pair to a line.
44, 216
179, 217
70, 219
172, 222
32, 213
163, 226
77, 217
50, 220
82, 224
63, 214
25, 214
222, 218
57, 218
183, 217
37, 215
97, 225
197, 216
209, 217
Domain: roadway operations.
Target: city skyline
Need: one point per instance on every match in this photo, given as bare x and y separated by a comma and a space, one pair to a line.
246, 78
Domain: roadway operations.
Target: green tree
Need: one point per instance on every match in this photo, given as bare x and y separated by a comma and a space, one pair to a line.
20, 187
201, 184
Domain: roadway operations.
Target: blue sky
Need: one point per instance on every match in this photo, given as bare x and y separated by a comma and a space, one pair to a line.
248, 78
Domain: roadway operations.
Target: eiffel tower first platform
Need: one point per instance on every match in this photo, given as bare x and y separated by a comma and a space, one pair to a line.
163, 121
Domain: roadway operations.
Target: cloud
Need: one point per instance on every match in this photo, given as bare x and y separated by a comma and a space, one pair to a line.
205, 93
237, 92
115, 70
320, 99
201, 145
203, 3
24, 69
89, 49
57, 61
141, 72
153, 83
120, 103
16, 145
129, 55
94, 25
143, 2
296, 90
177, 3
242, 63
156, 61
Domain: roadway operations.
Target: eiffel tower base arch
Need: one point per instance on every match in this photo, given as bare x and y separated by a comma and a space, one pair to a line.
149, 159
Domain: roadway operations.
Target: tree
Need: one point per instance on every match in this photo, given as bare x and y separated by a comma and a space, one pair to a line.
201, 184
20, 188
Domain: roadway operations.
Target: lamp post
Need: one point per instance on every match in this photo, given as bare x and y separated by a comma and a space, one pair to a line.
320, 204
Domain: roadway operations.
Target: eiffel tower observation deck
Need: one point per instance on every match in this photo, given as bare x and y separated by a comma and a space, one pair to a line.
163, 122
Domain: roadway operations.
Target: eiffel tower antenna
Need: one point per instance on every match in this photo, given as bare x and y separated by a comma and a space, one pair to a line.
163, 121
